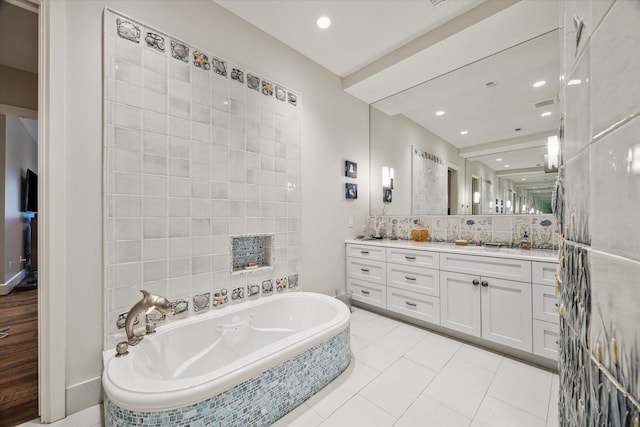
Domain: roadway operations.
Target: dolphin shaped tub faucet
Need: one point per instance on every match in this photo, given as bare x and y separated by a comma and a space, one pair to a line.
147, 302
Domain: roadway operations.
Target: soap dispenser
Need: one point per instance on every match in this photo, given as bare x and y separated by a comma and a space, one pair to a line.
525, 243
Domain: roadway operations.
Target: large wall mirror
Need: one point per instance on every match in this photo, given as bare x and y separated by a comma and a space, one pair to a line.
472, 141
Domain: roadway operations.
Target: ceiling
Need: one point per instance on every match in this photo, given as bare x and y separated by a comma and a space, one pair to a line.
362, 31
18, 37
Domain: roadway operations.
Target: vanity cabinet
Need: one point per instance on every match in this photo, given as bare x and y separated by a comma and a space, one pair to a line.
510, 301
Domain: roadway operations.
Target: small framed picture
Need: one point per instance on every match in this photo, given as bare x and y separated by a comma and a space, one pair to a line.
351, 191
387, 195
350, 169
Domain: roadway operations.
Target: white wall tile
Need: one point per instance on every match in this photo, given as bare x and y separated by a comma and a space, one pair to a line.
154, 144
154, 228
155, 122
127, 139
154, 249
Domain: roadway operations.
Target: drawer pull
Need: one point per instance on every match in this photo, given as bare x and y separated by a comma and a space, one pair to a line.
410, 304
364, 270
364, 252
410, 258
484, 283
365, 292
410, 278
475, 282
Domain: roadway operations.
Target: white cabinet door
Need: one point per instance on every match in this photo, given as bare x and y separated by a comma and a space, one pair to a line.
544, 273
545, 303
460, 302
506, 312
367, 292
413, 257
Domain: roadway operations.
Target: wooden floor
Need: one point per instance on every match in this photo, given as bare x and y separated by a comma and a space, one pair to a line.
19, 358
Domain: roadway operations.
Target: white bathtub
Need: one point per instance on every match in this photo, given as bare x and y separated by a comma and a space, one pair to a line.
192, 360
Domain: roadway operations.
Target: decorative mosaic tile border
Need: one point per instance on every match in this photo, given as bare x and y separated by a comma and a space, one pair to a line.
259, 401
130, 30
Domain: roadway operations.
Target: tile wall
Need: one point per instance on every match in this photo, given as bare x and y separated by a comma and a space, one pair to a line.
600, 245
196, 150
477, 229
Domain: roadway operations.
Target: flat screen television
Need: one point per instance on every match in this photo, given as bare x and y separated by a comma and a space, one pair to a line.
30, 192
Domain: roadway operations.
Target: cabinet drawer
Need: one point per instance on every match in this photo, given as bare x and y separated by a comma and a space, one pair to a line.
544, 273
503, 268
415, 279
375, 253
413, 257
369, 270
545, 303
545, 339
367, 292
412, 304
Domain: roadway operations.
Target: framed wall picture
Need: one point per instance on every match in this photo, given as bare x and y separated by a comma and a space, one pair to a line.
351, 191
350, 169
387, 195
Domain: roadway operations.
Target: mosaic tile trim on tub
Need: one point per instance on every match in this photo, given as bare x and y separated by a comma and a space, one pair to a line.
259, 401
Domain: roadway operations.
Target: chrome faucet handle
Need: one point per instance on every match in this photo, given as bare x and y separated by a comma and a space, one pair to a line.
122, 349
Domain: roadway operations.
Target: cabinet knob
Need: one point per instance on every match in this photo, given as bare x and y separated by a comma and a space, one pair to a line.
484, 283
475, 282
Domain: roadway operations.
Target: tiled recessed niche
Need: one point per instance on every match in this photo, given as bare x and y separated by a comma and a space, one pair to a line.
251, 252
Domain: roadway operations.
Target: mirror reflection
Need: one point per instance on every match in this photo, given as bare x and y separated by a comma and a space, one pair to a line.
473, 141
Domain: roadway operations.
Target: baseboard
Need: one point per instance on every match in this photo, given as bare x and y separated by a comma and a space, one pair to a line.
84, 395
5, 288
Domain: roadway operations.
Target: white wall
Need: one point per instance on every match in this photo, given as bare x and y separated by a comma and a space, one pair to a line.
334, 128
21, 154
391, 141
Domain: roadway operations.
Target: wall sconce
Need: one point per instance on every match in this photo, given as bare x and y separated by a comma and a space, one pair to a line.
476, 197
387, 177
553, 152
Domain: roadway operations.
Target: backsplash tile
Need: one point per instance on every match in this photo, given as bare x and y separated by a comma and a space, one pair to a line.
196, 150
479, 229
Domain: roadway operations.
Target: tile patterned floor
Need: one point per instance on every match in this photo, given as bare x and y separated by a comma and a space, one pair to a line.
405, 376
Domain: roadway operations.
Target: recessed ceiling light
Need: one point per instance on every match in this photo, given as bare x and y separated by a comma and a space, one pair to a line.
507, 166
574, 82
545, 114
323, 22
464, 132
440, 113
539, 83
498, 159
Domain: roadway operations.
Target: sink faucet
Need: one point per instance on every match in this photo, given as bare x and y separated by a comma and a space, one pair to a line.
147, 302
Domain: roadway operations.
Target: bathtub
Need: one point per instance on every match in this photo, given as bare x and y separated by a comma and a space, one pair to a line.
247, 364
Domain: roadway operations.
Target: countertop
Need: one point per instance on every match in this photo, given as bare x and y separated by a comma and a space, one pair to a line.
543, 255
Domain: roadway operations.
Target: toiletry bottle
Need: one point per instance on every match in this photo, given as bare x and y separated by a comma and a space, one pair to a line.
525, 243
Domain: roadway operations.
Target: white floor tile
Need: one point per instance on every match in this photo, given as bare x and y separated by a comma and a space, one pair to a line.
378, 356
357, 343
522, 386
493, 412
552, 414
359, 315
479, 357
374, 329
351, 381
460, 386
91, 416
433, 351
426, 412
302, 416
409, 331
358, 411
397, 387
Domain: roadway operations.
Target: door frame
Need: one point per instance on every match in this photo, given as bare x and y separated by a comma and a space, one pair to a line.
52, 262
